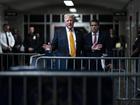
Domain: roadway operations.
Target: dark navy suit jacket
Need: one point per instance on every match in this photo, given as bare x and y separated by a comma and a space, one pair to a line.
60, 42
103, 39
60, 47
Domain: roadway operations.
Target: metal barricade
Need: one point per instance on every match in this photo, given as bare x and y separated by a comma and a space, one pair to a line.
57, 84
8, 60
119, 65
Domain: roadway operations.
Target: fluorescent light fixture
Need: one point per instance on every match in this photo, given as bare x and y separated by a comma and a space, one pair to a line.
76, 15
68, 3
72, 10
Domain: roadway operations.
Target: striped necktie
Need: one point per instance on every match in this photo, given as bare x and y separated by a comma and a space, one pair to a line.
72, 44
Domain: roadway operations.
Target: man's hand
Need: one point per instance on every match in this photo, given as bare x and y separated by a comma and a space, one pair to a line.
47, 47
96, 47
30, 49
109, 67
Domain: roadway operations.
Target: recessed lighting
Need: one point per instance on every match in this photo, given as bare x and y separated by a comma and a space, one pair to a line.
68, 3
76, 15
72, 10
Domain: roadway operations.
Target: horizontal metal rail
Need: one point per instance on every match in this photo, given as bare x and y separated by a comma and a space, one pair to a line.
67, 73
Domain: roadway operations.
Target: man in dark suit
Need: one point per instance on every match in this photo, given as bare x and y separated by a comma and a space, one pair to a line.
32, 43
61, 43
96, 44
67, 42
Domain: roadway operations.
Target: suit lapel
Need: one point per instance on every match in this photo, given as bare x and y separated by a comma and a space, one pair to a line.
66, 40
100, 38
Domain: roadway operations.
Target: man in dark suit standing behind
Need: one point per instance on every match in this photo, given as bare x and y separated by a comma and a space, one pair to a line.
96, 44
67, 42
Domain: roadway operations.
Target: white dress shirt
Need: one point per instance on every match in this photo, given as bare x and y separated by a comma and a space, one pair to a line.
3, 39
93, 36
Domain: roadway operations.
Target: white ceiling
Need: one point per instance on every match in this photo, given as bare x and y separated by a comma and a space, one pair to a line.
24, 5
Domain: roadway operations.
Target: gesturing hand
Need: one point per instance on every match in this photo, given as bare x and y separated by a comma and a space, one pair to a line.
96, 47
47, 47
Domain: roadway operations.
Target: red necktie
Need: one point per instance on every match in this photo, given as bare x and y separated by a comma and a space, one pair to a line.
95, 38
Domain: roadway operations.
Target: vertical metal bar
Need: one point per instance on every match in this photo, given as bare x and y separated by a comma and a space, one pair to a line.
44, 63
74, 64
69, 90
59, 63
84, 90
54, 91
81, 67
24, 60
18, 59
119, 85
134, 78
66, 64
89, 60
39, 90
127, 79
10, 90
97, 60
111, 70
7, 63
99, 91
52, 63
12, 56
24, 90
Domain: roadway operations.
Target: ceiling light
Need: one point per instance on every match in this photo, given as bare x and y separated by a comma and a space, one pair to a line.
78, 19
72, 10
76, 15
68, 3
